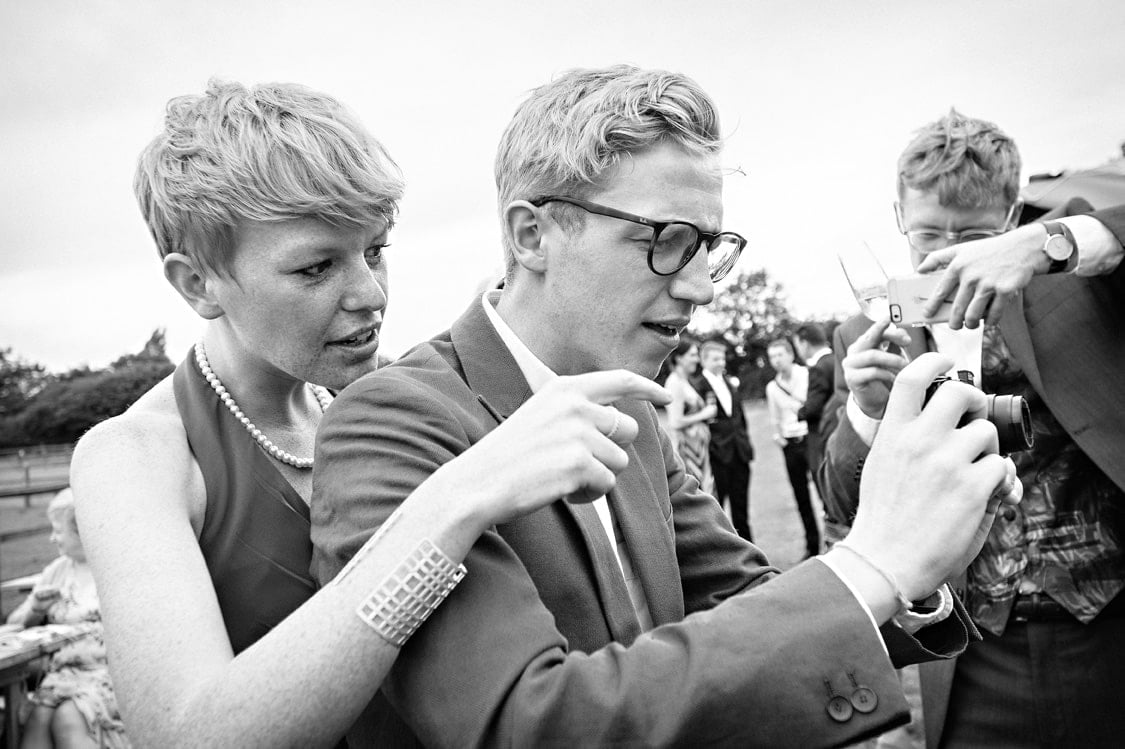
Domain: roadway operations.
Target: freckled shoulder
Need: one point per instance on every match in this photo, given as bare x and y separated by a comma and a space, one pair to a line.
143, 452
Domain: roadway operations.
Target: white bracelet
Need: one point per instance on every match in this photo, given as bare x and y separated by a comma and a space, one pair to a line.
407, 596
904, 603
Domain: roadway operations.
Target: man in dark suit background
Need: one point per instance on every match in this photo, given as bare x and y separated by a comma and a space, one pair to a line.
731, 450
1046, 587
812, 346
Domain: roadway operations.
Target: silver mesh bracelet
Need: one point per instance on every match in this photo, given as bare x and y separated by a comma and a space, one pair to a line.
407, 596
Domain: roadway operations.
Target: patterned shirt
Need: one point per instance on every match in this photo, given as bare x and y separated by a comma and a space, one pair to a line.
1065, 538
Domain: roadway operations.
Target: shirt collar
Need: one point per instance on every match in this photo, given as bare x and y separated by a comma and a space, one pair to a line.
534, 371
712, 377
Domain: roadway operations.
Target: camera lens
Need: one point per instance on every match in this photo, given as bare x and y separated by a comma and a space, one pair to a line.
1011, 416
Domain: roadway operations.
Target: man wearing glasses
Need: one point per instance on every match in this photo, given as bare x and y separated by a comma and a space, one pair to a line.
629, 612
1046, 589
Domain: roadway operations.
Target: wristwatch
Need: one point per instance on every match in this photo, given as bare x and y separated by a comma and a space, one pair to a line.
1060, 247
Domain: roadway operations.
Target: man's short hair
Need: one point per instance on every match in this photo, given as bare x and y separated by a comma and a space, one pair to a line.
713, 343
568, 132
270, 152
969, 163
812, 333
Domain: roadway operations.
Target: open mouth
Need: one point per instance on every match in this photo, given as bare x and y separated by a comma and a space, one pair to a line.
358, 340
665, 330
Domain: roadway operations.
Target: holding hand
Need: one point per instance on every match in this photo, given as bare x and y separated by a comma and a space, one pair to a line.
565, 441
986, 274
870, 371
930, 489
43, 598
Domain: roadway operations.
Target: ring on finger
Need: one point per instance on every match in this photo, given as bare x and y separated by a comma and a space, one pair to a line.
616, 424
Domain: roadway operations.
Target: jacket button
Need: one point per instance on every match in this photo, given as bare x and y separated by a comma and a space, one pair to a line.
864, 699
839, 709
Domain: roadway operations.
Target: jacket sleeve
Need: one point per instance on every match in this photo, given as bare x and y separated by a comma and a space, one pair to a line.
1114, 220
761, 666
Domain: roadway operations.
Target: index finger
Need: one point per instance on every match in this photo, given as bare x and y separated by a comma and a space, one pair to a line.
936, 260
616, 384
909, 390
871, 337
948, 283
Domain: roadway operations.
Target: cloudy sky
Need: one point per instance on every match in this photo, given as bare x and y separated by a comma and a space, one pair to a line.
817, 99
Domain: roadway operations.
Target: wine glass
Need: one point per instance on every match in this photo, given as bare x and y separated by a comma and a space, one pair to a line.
867, 280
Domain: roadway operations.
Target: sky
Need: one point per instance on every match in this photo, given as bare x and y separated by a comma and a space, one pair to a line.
817, 100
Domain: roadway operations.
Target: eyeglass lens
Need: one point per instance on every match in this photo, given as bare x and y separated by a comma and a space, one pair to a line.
677, 244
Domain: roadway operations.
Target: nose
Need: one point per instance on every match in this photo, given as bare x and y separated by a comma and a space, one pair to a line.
366, 290
693, 281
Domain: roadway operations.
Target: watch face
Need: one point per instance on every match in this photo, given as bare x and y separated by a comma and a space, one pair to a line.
1058, 247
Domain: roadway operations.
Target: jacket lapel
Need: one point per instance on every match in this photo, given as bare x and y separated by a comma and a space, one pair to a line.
645, 532
1013, 326
492, 373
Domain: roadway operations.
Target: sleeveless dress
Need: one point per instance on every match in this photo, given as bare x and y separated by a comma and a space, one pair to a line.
693, 442
255, 535
78, 671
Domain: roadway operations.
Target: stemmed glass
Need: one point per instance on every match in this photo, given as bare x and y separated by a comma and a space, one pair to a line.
867, 279
868, 282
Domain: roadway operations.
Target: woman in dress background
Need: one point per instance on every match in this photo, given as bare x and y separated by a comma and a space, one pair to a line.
271, 207
74, 704
688, 413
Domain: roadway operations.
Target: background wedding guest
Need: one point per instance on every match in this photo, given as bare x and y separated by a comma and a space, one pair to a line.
1038, 312
688, 413
785, 397
74, 704
731, 450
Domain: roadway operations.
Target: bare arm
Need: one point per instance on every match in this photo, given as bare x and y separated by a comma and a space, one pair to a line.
178, 681
677, 419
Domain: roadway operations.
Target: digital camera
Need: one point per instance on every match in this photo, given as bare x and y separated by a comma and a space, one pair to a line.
1010, 414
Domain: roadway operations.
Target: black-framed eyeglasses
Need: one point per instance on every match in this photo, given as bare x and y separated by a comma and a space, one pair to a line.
926, 241
673, 243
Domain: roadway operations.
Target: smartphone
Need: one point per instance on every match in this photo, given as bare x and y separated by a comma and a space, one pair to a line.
907, 297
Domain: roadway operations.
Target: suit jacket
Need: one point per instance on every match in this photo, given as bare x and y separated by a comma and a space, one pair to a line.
822, 377
1067, 333
730, 440
539, 644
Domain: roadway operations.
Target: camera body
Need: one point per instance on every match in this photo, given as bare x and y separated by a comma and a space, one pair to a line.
1010, 414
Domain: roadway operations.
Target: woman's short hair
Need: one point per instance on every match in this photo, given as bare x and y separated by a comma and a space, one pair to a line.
60, 510
685, 345
969, 163
784, 343
269, 152
568, 132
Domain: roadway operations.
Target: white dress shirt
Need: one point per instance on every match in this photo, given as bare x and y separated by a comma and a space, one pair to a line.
722, 392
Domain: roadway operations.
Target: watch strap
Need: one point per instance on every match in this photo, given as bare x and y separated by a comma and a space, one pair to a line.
1056, 228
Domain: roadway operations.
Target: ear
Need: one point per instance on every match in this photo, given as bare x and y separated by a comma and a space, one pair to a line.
524, 227
193, 283
1014, 216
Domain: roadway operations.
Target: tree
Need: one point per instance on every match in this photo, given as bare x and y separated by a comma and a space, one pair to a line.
749, 313
19, 381
72, 402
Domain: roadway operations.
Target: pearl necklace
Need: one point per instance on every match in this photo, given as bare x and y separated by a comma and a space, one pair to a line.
322, 397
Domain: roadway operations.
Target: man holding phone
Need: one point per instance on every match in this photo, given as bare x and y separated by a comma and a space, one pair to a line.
1045, 588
